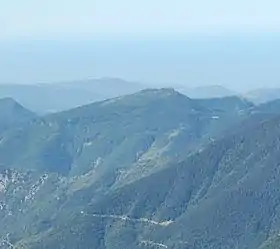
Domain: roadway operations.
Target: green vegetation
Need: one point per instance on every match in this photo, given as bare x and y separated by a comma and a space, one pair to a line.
154, 169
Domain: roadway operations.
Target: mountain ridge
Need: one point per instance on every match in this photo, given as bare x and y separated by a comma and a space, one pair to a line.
146, 170
12, 113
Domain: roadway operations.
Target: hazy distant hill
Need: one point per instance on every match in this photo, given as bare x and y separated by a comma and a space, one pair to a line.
206, 92
106, 87
260, 96
46, 98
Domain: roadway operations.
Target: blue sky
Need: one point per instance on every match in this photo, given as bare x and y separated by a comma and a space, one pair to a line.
57, 40
84, 18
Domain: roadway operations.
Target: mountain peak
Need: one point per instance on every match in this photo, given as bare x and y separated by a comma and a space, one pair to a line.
147, 96
8, 100
11, 111
9, 104
159, 91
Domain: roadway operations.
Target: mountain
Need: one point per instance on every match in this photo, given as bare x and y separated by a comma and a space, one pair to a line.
12, 113
269, 107
151, 124
264, 95
154, 169
207, 92
231, 104
62, 96
226, 196
106, 87
272, 243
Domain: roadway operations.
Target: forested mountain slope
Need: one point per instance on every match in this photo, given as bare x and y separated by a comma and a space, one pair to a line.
154, 169
226, 196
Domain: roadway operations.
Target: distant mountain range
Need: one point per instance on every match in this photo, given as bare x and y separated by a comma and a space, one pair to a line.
260, 96
205, 92
257, 96
152, 169
49, 98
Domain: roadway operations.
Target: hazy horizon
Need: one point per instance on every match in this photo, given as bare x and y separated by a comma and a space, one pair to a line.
238, 63
190, 43
140, 124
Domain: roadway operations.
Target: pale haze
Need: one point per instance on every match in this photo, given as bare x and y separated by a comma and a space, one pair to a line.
51, 19
231, 43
